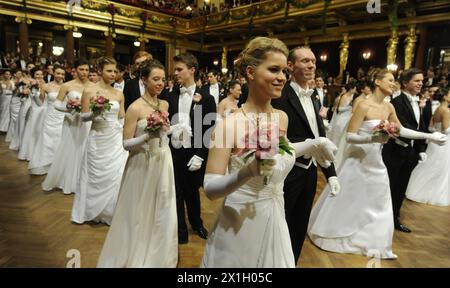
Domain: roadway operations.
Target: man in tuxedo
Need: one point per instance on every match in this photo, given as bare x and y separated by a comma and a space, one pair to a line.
400, 161
430, 106
214, 88
119, 83
302, 107
134, 88
189, 105
48, 73
321, 92
244, 91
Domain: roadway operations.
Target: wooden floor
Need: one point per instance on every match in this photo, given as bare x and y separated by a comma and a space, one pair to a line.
35, 229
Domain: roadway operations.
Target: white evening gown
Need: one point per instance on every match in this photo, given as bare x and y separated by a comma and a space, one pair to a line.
251, 229
13, 130
144, 231
21, 121
339, 123
5, 102
359, 220
430, 181
49, 138
102, 166
65, 169
33, 127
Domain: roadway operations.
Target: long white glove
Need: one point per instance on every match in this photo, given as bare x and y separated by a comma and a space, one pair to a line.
89, 116
217, 185
335, 187
122, 121
60, 106
181, 135
423, 157
195, 163
35, 93
320, 145
129, 144
354, 138
436, 137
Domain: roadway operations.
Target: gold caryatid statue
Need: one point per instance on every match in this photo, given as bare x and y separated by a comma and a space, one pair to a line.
410, 45
392, 47
224, 57
343, 56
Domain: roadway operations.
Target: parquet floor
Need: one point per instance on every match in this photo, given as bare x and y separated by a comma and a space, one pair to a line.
35, 229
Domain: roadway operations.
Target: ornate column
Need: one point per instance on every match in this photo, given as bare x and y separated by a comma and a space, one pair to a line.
224, 59
343, 56
170, 53
70, 44
109, 43
306, 42
23, 36
410, 46
421, 50
392, 47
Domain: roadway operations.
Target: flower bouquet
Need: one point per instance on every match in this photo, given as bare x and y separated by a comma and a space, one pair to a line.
265, 142
158, 121
100, 104
74, 106
391, 129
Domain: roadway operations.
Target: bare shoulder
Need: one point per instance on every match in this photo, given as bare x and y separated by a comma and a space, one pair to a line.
135, 107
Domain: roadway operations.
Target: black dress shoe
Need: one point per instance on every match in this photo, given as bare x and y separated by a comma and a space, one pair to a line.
202, 232
183, 237
402, 228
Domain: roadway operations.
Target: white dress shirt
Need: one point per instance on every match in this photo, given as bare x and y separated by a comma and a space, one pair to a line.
120, 86
321, 95
304, 95
184, 103
414, 100
214, 91
141, 87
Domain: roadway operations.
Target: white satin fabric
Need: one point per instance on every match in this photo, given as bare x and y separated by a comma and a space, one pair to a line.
48, 140
5, 101
143, 232
102, 166
430, 181
359, 219
251, 229
65, 169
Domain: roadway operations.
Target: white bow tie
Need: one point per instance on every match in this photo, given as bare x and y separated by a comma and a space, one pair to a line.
184, 90
306, 93
414, 99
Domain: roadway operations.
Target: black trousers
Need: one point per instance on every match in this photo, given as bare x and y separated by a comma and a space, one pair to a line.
399, 170
187, 186
299, 191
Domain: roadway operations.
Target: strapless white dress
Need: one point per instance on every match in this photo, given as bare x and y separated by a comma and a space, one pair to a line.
102, 167
144, 230
49, 138
251, 230
64, 172
359, 219
430, 181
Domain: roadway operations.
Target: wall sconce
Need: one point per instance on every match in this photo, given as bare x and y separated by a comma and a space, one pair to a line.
224, 70
323, 57
57, 50
137, 43
366, 55
216, 62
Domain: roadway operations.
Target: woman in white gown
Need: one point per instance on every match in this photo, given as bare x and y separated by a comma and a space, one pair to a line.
22, 93
14, 109
144, 231
36, 113
104, 158
342, 114
50, 136
430, 181
251, 229
5, 101
360, 219
64, 170
229, 104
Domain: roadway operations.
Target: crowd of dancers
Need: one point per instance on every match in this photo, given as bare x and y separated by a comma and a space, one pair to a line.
140, 181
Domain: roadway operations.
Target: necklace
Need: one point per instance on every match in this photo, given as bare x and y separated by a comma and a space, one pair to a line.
155, 107
256, 121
